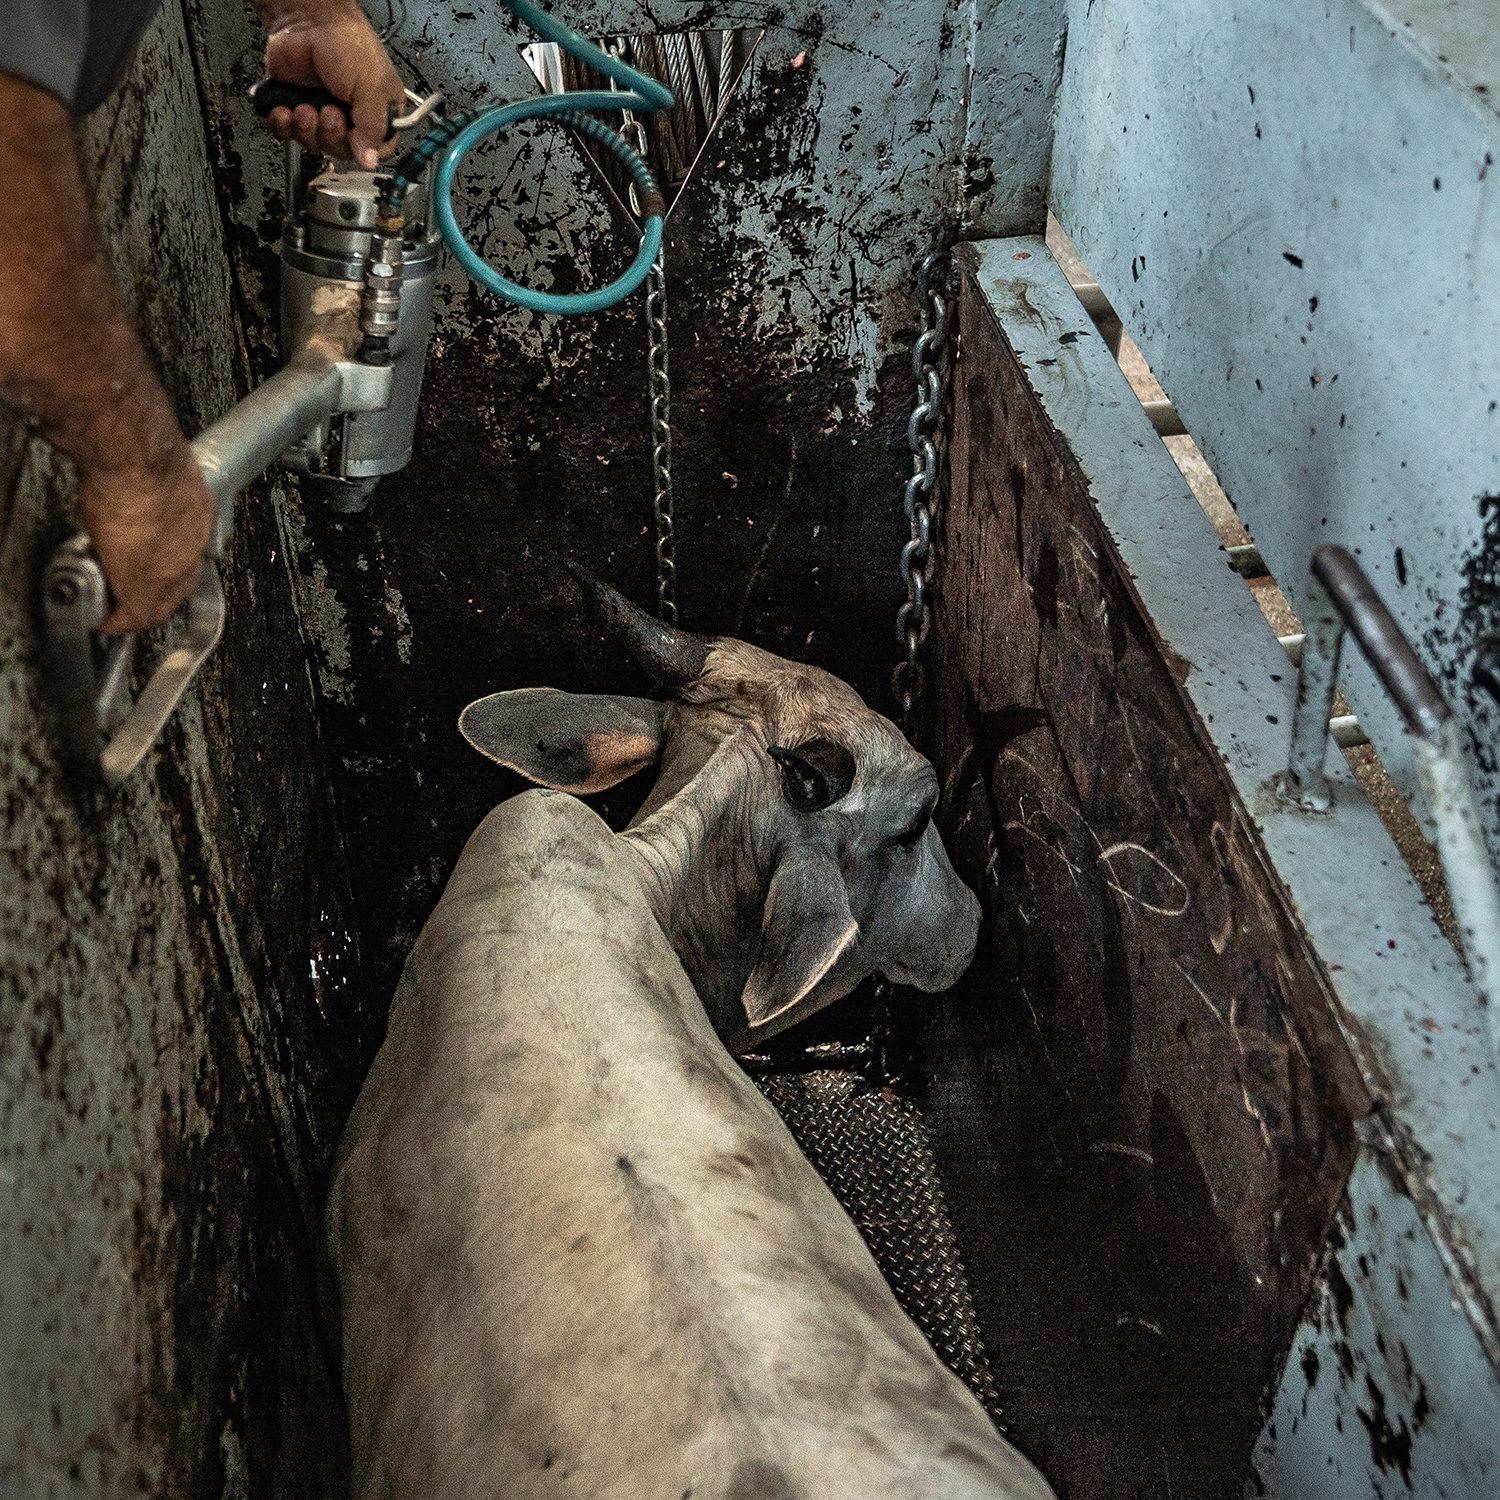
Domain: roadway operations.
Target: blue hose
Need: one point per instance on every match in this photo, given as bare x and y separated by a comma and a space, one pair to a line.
639, 93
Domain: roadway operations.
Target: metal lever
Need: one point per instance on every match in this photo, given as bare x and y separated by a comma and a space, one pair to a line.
1340, 597
320, 381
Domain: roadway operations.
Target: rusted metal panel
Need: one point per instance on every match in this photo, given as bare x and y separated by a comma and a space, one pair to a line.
1385, 1391
846, 153
1149, 1105
168, 1084
1407, 1009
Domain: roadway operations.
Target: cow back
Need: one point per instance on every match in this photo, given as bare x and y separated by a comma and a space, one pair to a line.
578, 1253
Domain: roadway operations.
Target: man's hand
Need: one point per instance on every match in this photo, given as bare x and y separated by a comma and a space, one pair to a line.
150, 530
332, 44
71, 362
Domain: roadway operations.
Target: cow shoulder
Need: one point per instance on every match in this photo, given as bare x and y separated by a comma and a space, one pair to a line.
538, 838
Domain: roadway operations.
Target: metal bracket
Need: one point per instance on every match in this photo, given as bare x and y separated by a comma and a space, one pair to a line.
88, 694
363, 387
1340, 597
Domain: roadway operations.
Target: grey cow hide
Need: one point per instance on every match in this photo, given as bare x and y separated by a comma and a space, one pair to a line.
578, 1252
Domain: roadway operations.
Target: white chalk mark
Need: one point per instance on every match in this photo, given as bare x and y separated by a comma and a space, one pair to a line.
1214, 1009
1022, 828
1220, 842
1120, 1149
1265, 1134
1078, 540
1108, 855
1234, 1024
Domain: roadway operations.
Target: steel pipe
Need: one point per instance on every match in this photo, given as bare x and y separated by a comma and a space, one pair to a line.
1386, 649
1164, 419
1317, 683
1340, 597
246, 440
1466, 860
1104, 317
1343, 729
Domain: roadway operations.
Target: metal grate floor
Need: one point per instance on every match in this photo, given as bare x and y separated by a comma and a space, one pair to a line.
872, 1150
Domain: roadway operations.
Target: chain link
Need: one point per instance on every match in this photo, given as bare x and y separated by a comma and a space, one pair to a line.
660, 386
659, 390
928, 368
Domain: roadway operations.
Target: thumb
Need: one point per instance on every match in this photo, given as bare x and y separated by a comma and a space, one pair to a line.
370, 110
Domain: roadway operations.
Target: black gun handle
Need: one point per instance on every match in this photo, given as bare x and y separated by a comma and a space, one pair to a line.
273, 93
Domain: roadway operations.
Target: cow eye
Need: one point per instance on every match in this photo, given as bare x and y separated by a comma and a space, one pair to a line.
915, 830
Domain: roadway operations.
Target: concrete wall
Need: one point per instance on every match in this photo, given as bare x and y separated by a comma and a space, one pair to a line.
170, 1077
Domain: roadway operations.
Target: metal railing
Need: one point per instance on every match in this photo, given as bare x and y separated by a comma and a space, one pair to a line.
1341, 600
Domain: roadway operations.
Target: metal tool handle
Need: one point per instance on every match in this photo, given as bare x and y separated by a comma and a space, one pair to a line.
274, 93
88, 699
1340, 598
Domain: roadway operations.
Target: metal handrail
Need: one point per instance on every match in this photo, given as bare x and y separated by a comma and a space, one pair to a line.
1340, 599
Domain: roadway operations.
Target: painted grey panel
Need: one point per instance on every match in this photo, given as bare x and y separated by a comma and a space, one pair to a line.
1385, 1391
1407, 1007
1291, 207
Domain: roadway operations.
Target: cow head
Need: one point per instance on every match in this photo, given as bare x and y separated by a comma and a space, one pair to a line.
789, 828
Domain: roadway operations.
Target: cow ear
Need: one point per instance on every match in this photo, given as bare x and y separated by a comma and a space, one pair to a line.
806, 929
574, 742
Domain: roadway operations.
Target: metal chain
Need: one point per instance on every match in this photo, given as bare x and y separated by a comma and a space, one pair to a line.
659, 390
660, 387
921, 499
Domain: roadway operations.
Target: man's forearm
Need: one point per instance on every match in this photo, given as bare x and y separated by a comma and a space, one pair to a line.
70, 360
71, 363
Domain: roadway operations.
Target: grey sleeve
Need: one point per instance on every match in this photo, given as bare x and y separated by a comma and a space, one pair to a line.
45, 41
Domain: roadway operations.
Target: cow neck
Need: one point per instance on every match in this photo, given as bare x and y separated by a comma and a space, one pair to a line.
707, 859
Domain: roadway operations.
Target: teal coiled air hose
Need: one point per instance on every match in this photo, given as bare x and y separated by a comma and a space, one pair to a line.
456, 136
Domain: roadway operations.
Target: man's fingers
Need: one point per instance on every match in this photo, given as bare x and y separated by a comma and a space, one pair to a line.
306, 122
150, 529
152, 597
302, 125
372, 111
333, 131
141, 614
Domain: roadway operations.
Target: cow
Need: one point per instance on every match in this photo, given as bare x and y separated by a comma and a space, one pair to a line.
577, 1252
